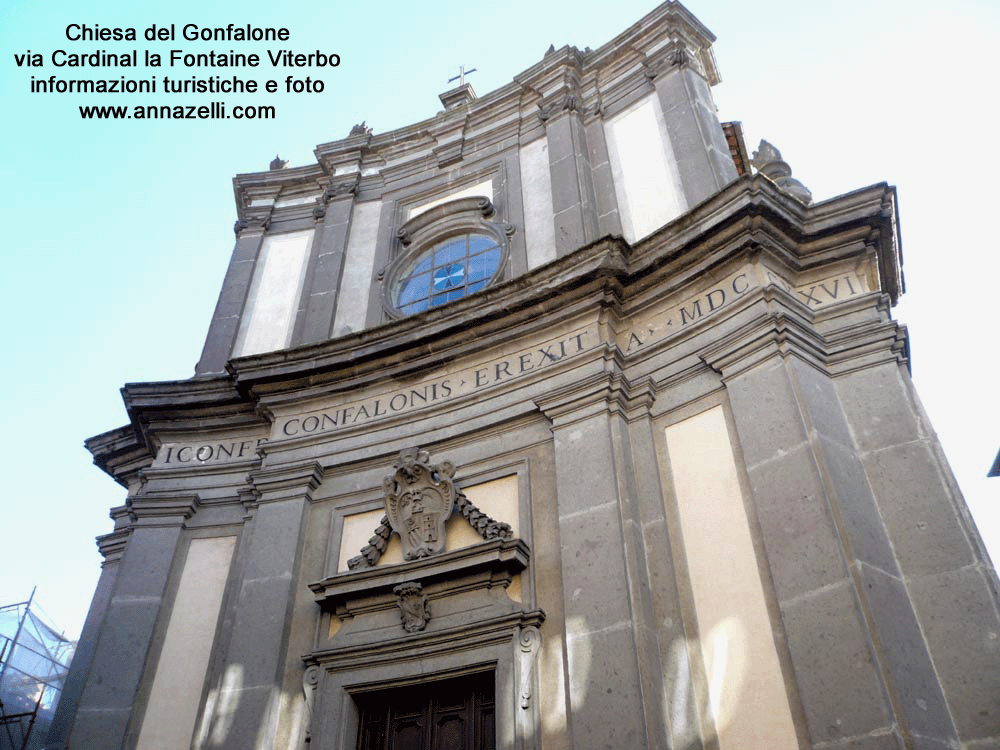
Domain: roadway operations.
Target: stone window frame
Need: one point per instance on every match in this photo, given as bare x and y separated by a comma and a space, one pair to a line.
470, 215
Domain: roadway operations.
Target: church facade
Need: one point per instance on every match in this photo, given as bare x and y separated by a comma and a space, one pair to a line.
550, 422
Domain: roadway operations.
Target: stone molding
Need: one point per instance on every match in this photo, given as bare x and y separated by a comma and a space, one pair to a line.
112, 546
344, 592
787, 328
776, 333
162, 508
466, 637
286, 482
607, 273
611, 392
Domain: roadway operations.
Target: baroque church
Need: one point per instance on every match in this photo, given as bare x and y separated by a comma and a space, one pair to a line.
557, 420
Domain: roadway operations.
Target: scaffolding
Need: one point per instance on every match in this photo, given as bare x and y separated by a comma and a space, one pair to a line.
34, 660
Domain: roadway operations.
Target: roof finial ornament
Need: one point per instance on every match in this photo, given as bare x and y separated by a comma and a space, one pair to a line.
767, 160
278, 163
360, 129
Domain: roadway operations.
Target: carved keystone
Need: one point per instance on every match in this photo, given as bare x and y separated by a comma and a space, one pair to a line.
414, 607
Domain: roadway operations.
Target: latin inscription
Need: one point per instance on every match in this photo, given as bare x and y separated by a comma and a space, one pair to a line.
673, 320
825, 292
660, 326
435, 391
223, 451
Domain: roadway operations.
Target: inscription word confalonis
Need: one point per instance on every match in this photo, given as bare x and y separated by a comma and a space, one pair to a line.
660, 326
431, 392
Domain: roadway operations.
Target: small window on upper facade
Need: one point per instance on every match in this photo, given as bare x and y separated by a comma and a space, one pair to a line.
447, 271
446, 253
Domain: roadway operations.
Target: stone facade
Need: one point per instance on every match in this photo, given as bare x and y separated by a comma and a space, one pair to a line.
665, 477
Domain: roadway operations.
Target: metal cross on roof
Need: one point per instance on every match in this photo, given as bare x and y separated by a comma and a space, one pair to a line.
462, 73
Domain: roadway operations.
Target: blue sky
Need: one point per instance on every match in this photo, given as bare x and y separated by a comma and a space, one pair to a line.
119, 233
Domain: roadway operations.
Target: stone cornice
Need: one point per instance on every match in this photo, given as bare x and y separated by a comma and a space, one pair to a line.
788, 328
564, 79
605, 392
121, 453
286, 482
499, 556
466, 636
749, 219
779, 333
112, 546
162, 508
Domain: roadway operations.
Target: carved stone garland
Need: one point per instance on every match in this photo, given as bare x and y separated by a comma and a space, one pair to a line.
419, 499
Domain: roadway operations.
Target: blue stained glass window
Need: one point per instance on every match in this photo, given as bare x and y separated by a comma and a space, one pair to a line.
448, 271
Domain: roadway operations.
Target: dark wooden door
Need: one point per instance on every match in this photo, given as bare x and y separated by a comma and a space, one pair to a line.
456, 714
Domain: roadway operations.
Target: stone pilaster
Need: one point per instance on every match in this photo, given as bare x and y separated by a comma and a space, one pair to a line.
943, 565
699, 144
614, 679
573, 202
606, 203
861, 663
225, 323
122, 653
111, 546
333, 213
258, 643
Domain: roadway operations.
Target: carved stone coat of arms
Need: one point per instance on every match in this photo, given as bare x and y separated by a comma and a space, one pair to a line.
419, 499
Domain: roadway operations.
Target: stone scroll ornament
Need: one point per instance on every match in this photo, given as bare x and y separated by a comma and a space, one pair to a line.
310, 681
419, 498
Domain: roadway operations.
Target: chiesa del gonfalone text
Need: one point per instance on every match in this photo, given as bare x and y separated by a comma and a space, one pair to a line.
558, 420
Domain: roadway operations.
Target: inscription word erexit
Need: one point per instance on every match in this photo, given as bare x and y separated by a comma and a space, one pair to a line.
660, 326
430, 392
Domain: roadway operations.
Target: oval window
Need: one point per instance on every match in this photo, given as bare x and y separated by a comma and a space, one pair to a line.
446, 271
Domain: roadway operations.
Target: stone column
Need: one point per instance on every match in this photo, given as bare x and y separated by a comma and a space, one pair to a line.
319, 301
861, 664
225, 324
108, 701
614, 678
254, 670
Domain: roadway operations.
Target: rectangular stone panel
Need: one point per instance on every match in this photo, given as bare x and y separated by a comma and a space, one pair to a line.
352, 302
647, 183
269, 314
175, 697
746, 689
537, 197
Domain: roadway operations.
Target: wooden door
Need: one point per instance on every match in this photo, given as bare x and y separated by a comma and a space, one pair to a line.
455, 714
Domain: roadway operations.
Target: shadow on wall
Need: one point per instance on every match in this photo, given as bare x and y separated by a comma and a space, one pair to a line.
711, 699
